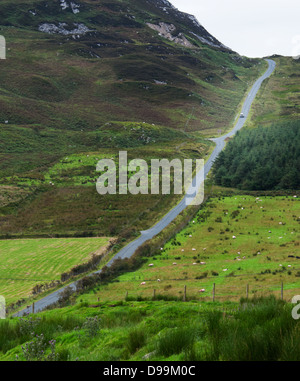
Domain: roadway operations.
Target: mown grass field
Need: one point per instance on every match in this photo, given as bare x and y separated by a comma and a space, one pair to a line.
27, 262
263, 254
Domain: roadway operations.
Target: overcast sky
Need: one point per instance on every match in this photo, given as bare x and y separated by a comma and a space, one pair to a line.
254, 28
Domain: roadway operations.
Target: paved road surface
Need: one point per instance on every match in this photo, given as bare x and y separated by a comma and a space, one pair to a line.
130, 249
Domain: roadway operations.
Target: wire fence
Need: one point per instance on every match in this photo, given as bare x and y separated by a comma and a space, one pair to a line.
213, 293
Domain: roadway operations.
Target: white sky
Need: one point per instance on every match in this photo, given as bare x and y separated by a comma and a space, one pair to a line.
254, 28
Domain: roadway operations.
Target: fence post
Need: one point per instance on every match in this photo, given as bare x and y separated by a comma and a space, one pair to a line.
281, 290
33, 307
126, 296
247, 291
184, 295
214, 292
154, 291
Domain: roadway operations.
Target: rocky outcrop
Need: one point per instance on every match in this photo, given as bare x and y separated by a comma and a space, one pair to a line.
165, 30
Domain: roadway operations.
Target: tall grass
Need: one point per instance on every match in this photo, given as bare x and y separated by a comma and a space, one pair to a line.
175, 341
12, 333
136, 340
263, 331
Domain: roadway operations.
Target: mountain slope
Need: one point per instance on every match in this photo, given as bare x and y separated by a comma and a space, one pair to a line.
104, 58
84, 79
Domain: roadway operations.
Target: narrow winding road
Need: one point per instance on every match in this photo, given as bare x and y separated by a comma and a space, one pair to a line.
130, 249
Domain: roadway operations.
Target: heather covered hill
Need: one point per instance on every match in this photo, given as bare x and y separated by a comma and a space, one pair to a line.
84, 79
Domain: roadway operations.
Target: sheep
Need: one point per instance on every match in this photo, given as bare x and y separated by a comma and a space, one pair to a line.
143, 283
151, 265
202, 290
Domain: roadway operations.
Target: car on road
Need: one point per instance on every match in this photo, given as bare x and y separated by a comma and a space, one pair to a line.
242, 115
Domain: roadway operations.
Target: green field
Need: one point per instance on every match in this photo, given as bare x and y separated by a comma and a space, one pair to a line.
267, 233
27, 262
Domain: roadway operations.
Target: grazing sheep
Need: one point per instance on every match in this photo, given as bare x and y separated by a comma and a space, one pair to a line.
202, 290
234, 237
143, 283
151, 265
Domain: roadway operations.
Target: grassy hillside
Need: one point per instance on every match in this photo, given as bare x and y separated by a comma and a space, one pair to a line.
254, 330
278, 99
93, 78
233, 241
